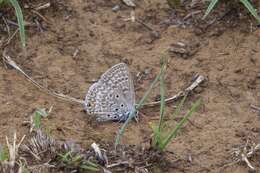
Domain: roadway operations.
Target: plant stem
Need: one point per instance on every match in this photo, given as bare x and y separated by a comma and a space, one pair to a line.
162, 96
139, 105
179, 125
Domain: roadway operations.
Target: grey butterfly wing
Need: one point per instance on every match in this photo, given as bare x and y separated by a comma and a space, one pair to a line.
118, 77
112, 97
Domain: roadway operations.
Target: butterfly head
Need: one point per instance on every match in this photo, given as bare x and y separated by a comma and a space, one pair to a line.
88, 106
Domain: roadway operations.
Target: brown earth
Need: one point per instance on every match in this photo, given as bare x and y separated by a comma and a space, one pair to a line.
227, 53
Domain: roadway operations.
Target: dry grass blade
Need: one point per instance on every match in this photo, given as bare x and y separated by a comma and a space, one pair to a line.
243, 153
129, 3
99, 154
39, 146
7, 59
199, 79
10, 164
256, 108
45, 154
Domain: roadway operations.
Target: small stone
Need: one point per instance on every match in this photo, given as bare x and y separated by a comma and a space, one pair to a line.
116, 8
235, 92
239, 70
91, 33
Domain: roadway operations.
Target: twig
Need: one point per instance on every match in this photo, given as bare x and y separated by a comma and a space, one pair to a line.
39, 26
245, 159
7, 26
196, 83
101, 156
41, 16
154, 32
16, 24
118, 164
191, 14
243, 154
134, 19
11, 37
255, 108
9, 61
44, 6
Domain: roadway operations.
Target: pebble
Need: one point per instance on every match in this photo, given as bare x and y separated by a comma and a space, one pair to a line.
116, 8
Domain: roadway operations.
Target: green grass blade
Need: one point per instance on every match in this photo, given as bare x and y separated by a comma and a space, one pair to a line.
139, 105
142, 101
210, 7
42, 112
251, 9
3, 153
90, 166
162, 94
156, 137
178, 109
76, 158
64, 157
20, 21
38, 114
37, 120
123, 127
173, 133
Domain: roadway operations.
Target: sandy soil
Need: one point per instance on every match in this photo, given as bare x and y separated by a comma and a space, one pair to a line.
227, 54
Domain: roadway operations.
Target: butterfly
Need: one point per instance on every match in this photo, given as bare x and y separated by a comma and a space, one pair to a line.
112, 97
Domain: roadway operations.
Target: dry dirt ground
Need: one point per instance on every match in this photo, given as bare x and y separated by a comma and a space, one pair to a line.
85, 37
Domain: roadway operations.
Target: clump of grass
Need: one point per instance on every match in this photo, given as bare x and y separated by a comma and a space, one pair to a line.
246, 3
42, 153
76, 160
142, 101
63, 154
19, 16
163, 133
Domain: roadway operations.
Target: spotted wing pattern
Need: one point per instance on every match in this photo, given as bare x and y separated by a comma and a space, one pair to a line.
112, 97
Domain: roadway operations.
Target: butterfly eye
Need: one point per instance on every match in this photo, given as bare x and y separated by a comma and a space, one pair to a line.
108, 115
117, 96
122, 105
116, 109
